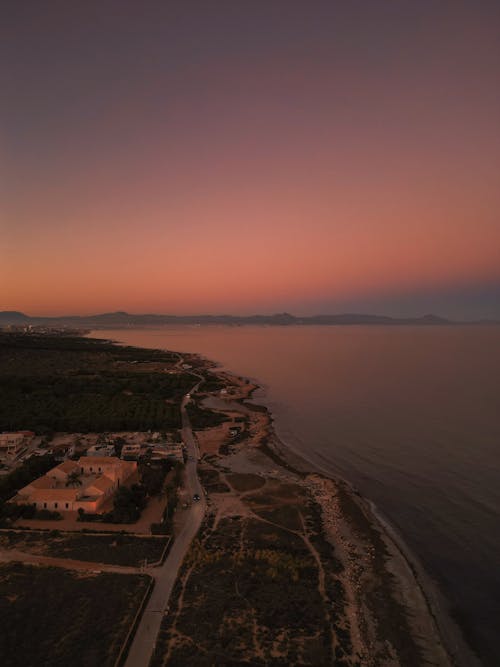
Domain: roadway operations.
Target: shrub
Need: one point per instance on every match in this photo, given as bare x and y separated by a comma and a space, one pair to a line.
47, 515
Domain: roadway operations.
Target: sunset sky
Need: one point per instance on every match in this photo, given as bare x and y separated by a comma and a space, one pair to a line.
250, 156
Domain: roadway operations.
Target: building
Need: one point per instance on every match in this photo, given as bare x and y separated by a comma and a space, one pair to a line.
72, 485
63, 452
169, 451
132, 451
12, 444
101, 450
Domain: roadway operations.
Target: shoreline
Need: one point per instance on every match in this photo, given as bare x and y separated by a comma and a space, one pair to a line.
416, 591
457, 648
446, 630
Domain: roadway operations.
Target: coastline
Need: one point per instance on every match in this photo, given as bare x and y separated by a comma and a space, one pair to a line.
414, 594
432, 628
458, 651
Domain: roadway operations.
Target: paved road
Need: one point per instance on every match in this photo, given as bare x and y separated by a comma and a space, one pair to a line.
144, 641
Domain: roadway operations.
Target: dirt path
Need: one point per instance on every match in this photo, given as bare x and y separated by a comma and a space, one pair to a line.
180, 605
9, 555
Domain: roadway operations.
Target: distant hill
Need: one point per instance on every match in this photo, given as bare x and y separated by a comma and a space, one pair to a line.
123, 319
13, 317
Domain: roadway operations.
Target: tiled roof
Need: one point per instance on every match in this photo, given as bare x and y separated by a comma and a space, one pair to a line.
42, 483
64, 495
102, 484
88, 460
67, 466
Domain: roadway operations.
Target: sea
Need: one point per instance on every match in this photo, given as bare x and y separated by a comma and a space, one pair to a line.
410, 415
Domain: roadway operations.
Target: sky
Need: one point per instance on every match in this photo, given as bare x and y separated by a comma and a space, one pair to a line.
250, 156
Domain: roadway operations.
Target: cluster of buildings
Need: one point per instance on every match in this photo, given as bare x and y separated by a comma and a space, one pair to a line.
86, 483
16, 446
72, 485
169, 451
101, 450
13, 445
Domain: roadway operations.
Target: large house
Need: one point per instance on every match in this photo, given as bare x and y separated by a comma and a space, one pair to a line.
86, 484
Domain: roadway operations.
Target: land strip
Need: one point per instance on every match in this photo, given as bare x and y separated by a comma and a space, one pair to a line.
290, 568
52, 382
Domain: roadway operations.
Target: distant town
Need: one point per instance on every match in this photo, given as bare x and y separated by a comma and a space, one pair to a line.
18, 321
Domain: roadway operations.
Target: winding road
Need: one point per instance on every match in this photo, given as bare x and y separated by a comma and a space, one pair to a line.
143, 644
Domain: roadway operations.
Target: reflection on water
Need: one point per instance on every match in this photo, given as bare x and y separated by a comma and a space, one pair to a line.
411, 415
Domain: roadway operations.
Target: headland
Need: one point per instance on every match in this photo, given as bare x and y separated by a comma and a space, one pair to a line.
284, 542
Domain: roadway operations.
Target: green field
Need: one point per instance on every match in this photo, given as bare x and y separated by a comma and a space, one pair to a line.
202, 418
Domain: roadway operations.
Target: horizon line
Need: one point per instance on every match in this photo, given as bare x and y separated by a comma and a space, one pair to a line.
282, 314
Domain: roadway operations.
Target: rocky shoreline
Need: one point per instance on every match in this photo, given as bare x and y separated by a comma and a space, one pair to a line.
392, 613
392, 617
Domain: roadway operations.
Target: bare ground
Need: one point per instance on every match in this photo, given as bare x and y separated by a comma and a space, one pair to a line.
369, 609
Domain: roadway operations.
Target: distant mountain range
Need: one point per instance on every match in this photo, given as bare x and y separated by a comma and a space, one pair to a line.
122, 319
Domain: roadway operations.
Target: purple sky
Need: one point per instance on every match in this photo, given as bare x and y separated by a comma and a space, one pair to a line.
250, 157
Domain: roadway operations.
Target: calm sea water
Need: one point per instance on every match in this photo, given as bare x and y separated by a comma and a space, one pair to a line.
410, 415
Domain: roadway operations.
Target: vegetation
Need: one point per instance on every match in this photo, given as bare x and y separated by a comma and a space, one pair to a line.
153, 476
116, 549
211, 481
171, 490
128, 503
78, 344
29, 470
51, 616
202, 418
212, 383
9, 485
259, 593
271, 586
82, 385
245, 481
12, 511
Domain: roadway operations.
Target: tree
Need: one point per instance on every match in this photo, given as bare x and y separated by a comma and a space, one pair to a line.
74, 479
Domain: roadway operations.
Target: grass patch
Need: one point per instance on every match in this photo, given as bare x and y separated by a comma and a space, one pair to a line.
245, 481
271, 585
202, 418
211, 481
57, 617
286, 516
118, 549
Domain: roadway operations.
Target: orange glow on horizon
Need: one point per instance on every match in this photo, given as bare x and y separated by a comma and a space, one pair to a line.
266, 174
